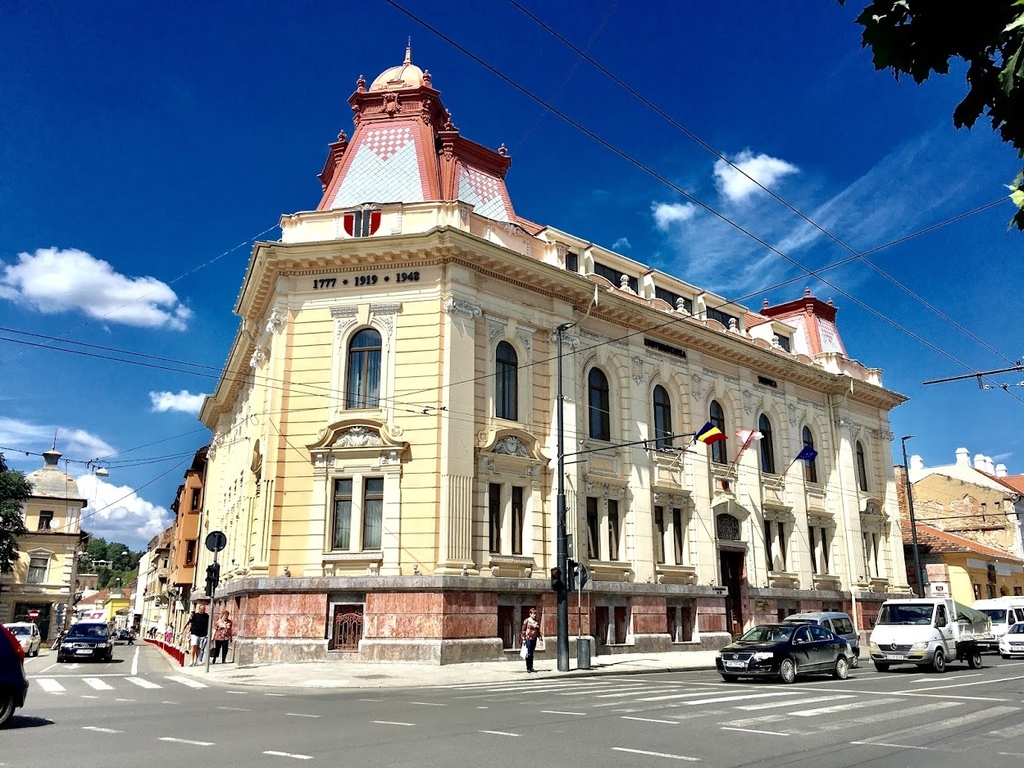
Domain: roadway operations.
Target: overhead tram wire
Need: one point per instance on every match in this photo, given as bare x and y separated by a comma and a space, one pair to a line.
778, 198
692, 198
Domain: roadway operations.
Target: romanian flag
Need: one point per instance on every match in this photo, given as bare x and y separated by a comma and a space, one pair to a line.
709, 434
807, 454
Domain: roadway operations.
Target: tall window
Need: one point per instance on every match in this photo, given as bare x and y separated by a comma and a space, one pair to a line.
818, 540
373, 511
810, 467
342, 534
678, 536
494, 515
659, 534
872, 561
45, 520
190, 551
767, 445
363, 390
662, 418
717, 418
506, 382
37, 567
775, 545
613, 529
600, 411
517, 520
862, 467
593, 529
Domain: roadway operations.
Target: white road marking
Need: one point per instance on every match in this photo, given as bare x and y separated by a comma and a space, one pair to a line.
949, 724
96, 684
50, 685
927, 680
98, 729
300, 714
744, 697
501, 733
235, 709
391, 722
886, 744
186, 681
188, 741
657, 754
126, 700
135, 663
832, 710
142, 683
673, 696
428, 703
288, 754
791, 702
238, 693
754, 730
650, 720
560, 712
273, 694
90, 697
376, 700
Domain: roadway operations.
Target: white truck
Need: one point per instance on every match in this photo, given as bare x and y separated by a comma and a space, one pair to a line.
927, 631
1004, 612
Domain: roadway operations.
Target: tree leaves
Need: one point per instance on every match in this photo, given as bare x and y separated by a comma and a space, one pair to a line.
14, 491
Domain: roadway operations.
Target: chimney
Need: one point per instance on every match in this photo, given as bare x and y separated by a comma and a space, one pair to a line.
963, 457
916, 463
1000, 470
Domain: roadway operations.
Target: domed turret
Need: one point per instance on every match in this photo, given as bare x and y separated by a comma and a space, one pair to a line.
50, 481
405, 75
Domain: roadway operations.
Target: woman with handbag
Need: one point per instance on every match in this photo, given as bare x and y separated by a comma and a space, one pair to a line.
529, 636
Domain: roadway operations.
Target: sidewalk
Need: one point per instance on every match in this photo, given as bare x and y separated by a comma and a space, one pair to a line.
340, 674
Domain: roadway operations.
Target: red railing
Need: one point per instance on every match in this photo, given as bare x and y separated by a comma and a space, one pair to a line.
171, 650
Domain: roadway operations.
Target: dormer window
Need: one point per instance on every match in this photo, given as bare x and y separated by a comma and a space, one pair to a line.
722, 317
363, 222
785, 343
572, 262
674, 299
45, 520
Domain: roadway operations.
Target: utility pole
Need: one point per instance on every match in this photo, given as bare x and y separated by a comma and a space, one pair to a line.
913, 522
562, 555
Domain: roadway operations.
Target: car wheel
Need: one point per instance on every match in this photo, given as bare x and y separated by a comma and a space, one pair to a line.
974, 660
841, 669
855, 660
881, 666
787, 671
939, 661
730, 678
6, 706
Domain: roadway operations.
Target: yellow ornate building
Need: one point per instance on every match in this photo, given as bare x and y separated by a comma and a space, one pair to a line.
39, 586
386, 440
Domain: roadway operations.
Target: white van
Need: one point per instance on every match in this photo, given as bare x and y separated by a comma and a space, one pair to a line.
927, 631
1004, 612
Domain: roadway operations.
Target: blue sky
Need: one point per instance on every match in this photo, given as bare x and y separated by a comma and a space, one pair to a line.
142, 150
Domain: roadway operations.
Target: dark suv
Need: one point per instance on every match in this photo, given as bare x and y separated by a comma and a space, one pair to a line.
834, 621
86, 640
13, 683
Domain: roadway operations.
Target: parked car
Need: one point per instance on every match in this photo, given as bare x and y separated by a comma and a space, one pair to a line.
86, 640
124, 635
13, 683
1004, 612
834, 621
785, 651
28, 635
1012, 641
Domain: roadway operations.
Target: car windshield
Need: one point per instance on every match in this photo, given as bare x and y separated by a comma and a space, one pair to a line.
1016, 629
905, 613
20, 631
89, 630
998, 615
772, 633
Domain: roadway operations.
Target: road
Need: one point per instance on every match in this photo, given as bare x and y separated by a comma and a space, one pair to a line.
140, 710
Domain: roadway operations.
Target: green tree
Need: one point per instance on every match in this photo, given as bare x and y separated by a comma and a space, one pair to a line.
919, 37
14, 490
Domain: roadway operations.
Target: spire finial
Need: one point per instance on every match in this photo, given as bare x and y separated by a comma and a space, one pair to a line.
54, 446
408, 53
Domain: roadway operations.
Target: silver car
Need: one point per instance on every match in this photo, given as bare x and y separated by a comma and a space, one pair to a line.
28, 635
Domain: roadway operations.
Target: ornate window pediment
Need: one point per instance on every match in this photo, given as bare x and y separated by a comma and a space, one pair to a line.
727, 527
357, 437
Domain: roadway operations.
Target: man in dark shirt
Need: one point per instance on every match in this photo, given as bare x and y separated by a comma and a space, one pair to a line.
198, 626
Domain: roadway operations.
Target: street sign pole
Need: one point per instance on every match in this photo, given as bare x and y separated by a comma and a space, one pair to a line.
215, 542
209, 621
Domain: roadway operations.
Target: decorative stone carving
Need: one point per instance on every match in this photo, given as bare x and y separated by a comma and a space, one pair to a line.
696, 387
510, 446
276, 320
341, 312
259, 358
358, 437
638, 370
792, 414
727, 527
391, 105
453, 306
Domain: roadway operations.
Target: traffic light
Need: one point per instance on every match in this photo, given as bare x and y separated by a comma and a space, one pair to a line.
577, 576
212, 577
570, 577
556, 579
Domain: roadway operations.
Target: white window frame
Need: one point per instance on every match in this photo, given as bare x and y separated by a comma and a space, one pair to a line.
357, 519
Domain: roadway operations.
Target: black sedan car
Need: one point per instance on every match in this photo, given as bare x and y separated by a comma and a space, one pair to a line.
785, 651
86, 640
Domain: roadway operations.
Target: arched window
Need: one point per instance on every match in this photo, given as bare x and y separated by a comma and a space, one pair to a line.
810, 467
363, 389
600, 411
506, 382
719, 455
662, 418
862, 467
764, 426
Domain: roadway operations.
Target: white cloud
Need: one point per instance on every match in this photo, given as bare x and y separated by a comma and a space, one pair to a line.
667, 214
621, 244
53, 281
184, 401
736, 187
74, 444
118, 513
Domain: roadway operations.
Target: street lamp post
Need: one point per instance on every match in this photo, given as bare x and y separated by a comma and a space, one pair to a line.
913, 522
562, 595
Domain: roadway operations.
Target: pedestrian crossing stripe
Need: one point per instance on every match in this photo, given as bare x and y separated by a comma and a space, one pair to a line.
96, 684
142, 682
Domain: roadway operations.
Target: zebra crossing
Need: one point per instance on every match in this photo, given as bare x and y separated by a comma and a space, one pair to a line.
90, 685
780, 711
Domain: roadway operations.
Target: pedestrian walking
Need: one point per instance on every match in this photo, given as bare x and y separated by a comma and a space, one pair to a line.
223, 633
198, 628
169, 635
529, 635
